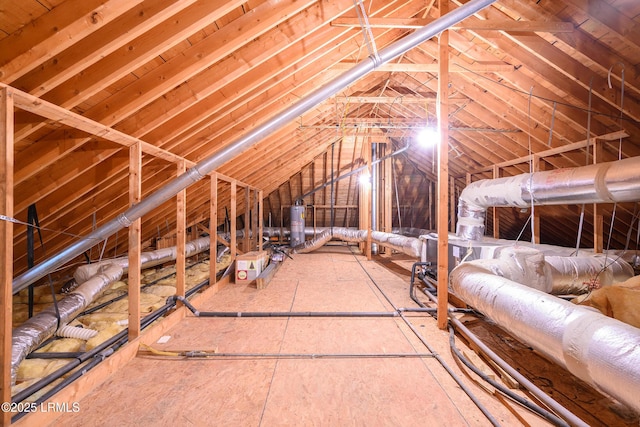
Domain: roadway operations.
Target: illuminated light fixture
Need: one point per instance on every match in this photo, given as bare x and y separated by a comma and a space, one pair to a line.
428, 137
365, 178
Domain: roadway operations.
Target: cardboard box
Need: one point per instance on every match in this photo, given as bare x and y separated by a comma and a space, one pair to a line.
250, 265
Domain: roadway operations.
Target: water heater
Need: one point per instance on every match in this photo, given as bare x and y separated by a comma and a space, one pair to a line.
297, 225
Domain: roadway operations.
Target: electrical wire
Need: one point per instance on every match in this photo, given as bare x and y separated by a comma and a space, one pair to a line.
542, 98
552, 418
440, 360
17, 221
519, 377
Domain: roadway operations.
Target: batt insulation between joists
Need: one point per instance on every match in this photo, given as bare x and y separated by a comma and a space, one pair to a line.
100, 282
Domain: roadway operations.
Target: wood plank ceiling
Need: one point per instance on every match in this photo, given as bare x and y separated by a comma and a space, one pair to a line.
191, 76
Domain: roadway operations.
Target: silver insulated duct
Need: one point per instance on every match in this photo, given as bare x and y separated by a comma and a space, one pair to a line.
29, 335
94, 279
408, 245
601, 351
610, 182
240, 145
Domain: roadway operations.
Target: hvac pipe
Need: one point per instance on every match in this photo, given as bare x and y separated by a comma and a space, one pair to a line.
235, 148
549, 402
199, 313
408, 245
574, 275
599, 350
28, 336
609, 182
147, 259
555, 274
313, 231
116, 340
521, 379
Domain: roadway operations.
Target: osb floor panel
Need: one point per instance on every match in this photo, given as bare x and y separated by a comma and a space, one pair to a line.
298, 391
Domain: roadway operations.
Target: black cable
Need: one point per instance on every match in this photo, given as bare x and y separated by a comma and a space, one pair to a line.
55, 355
529, 405
440, 360
501, 388
83, 357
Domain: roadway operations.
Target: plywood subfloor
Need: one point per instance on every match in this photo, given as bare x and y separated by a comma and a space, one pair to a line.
333, 388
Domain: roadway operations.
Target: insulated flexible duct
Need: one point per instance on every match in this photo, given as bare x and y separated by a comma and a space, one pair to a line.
407, 245
601, 351
313, 231
574, 275
147, 259
28, 336
94, 279
556, 274
240, 145
610, 182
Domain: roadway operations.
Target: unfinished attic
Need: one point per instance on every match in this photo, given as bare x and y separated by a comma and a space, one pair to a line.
336, 212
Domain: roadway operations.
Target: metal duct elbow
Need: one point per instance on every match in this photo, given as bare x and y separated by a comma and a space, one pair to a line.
601, 183
601, 351
480, 195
